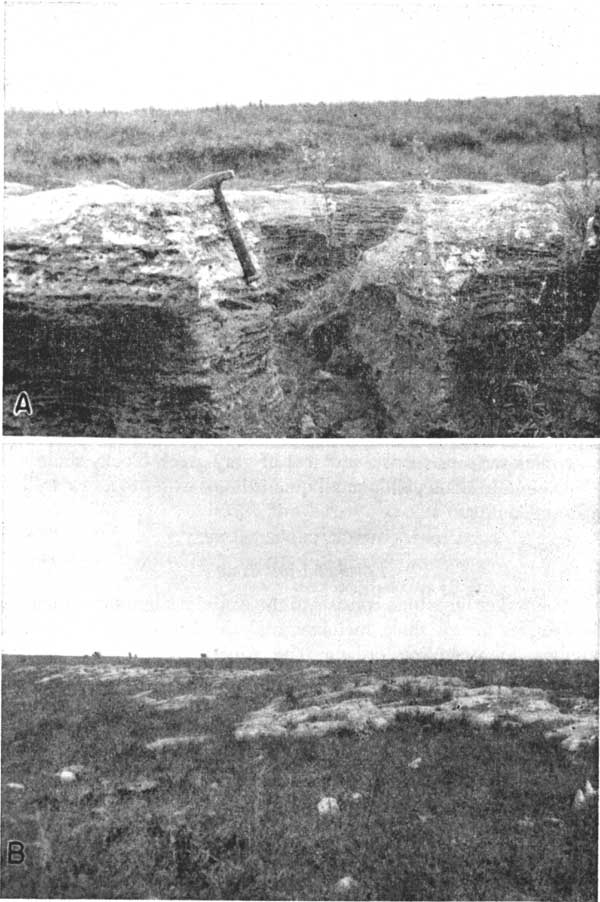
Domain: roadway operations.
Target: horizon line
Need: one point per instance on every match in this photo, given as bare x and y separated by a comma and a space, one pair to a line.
301, 103
208, 657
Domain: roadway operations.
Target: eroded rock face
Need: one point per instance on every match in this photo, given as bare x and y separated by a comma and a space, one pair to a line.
459, 314
383, 309
126, 312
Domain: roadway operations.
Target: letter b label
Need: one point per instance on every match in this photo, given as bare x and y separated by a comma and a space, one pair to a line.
16, 851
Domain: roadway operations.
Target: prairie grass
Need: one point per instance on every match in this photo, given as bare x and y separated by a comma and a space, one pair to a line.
529, 139
239, 820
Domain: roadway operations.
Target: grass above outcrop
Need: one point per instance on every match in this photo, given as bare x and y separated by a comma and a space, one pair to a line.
528, 139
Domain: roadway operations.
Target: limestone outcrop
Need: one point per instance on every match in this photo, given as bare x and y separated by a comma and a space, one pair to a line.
475, 317
125, 313
376, 705
407, 309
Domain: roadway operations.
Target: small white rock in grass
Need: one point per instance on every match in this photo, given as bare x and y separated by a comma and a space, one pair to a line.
579, 801
346, 885
66, 776
415, 763
18, 787
328, 807
589, 792
356, 796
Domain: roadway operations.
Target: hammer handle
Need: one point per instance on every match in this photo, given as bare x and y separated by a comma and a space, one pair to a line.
237, 239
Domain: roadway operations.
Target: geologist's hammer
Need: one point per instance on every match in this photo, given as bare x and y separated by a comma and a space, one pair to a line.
215, 182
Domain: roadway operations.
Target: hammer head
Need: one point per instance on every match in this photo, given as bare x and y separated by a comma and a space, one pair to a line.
213, 180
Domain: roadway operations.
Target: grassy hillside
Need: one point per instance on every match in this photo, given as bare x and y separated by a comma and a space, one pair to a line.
530, 139
486, 815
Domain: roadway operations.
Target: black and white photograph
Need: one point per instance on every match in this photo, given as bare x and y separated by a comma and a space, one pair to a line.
237, 664
308, 671
302, 220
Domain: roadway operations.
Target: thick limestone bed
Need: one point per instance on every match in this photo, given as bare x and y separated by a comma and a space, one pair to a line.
376, 705
383, 309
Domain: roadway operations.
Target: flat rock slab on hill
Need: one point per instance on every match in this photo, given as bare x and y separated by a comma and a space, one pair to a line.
157, 675
126, 312
175, 703
111, 673
171, 742
376, 705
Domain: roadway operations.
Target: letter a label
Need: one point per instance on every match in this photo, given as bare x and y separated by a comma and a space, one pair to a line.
23, 405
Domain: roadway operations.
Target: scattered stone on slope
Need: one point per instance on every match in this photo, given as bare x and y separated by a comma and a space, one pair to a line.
66, 776
328, 807
346, 885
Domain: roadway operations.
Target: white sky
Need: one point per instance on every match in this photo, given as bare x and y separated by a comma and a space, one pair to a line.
303, 550
123, 55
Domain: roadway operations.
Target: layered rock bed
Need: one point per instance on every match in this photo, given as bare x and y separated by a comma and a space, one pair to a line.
383, 309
